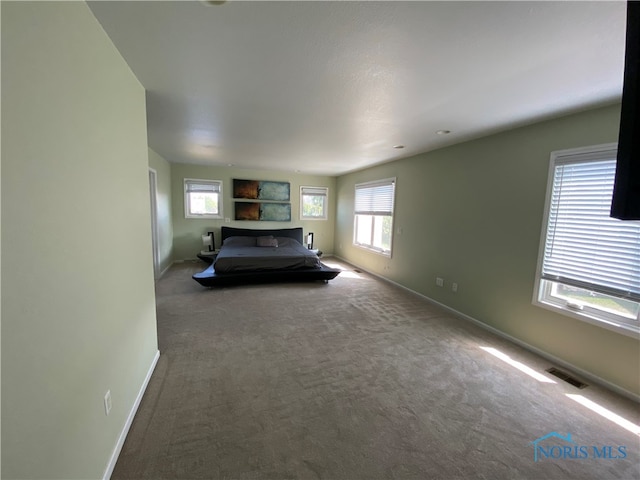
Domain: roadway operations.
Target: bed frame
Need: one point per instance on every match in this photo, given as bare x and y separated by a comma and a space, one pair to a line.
209, 277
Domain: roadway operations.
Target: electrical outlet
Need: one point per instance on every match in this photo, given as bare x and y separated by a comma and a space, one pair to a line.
227, 220
107, 402
440, 282
454, 287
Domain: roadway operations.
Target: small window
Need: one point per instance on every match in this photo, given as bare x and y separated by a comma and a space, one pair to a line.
313, 203
202, 198
373, 216
589, 265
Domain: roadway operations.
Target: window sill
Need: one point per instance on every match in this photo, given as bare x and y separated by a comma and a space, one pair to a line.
205, 217
373, 250
621, 328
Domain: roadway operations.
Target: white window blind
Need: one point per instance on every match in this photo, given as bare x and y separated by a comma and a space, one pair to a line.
193, 186
375, 198
314, 191
584, 246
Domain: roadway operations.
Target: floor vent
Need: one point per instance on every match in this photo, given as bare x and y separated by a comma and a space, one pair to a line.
566, 377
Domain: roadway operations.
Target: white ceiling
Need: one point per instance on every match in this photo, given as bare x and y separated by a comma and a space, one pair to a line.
331, 87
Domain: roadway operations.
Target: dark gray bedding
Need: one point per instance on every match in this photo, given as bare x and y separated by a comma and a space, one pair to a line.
239, 254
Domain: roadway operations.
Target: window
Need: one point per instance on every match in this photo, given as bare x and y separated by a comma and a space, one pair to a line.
589, 265
373, 216
202, 198
313, 203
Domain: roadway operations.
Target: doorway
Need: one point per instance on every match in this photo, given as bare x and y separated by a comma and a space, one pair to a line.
153, 198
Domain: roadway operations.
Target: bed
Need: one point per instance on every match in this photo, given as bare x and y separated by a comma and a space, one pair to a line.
256, 256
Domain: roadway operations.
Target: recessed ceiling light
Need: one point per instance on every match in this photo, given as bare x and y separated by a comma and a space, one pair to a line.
443, 132
230, 164
398, 146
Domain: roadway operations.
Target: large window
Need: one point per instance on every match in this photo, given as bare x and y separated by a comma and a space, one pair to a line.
373, 222
202, 198
589, 264
313, 203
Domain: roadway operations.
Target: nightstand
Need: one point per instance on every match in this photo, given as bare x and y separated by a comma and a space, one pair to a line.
208, 257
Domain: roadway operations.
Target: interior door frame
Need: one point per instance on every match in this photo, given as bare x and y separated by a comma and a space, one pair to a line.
153, 199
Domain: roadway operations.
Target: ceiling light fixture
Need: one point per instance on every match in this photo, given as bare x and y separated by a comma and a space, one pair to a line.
443, 132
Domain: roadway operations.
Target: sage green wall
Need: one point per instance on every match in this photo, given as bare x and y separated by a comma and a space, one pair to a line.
187, 241
78, 305
472, 214
163, 201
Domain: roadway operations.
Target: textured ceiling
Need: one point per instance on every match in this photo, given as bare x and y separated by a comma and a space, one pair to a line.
331, 87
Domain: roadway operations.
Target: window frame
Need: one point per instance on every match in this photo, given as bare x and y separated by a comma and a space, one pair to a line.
543, 295
187, 201
325, 205
369, 246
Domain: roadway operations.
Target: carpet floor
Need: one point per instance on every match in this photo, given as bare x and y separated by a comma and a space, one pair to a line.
355, 379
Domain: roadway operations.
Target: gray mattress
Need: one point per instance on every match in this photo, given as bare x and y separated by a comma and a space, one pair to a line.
240, 254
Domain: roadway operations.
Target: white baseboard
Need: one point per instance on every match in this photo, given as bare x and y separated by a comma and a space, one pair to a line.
552, 358
123, 435
164, 271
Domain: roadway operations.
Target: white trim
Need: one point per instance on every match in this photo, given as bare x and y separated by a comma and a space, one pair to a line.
164, 271
548, 356
155, 234
371, 248
547, 203
374, 183
325, 211
584, 316
123, 435
187, 214
609, 321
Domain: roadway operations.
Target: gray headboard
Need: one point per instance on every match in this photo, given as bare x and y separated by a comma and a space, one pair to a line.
295, 233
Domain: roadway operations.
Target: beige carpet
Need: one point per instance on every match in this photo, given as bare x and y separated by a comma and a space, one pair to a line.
354, 379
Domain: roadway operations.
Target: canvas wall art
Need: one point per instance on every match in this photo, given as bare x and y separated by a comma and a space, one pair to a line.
268, 212
261, 190
247, 211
